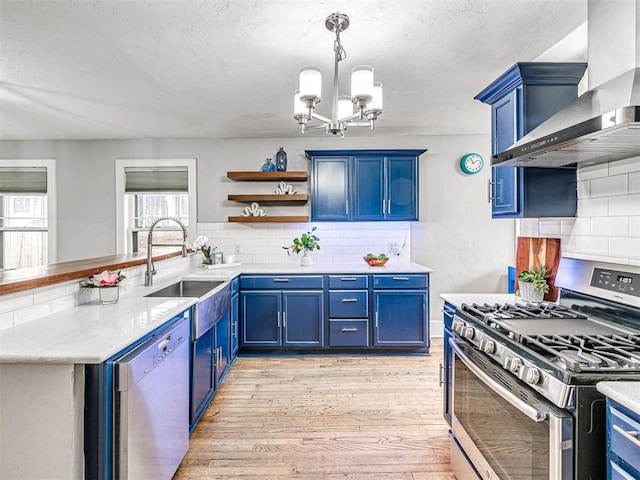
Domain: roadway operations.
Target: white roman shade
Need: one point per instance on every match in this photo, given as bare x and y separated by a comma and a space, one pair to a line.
156, 180
23, 180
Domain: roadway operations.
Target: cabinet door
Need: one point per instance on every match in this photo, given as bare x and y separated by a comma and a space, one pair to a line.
222, 346
402, 189
504, 186
302, 319
400, 318
235, 326
330, 191
367, 186
449, 311
261, 322
202, 382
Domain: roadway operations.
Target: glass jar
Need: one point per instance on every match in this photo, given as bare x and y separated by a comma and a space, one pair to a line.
281, 160
268, 166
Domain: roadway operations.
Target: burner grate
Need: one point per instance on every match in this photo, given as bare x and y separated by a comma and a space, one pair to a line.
487, 312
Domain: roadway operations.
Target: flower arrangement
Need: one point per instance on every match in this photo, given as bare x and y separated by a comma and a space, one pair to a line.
200, 243
307, 241
106, 279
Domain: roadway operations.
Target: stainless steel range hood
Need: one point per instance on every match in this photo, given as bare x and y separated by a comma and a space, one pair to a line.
603, 124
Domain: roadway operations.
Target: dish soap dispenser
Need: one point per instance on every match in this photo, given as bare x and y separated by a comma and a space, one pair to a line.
281, 160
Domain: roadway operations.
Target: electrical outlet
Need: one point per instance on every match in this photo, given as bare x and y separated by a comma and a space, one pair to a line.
237, 248
395, 248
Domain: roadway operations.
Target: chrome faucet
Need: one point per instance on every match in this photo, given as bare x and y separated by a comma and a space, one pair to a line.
148, 275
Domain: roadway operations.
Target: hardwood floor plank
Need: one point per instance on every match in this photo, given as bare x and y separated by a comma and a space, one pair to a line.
324, 418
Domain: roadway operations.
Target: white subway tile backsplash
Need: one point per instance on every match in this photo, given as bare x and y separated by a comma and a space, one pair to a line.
634, 182
592, 245
31, 313
610, 226
624, 247
625, 205
609, 186
16, 301
550, 227
583, 189
593, 207
594, 171
634, 226
6, 320
528, 227
627, 165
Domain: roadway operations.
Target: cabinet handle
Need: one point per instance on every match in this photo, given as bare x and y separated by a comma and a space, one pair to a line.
215, 358
280, 279
440, 381
349, 300
401, 278
388, 207
278, 319
346, 207
284, 320
376, 319
352, 329
348, 279
384, 207
632, 436
219, 356
490, 195
234, 329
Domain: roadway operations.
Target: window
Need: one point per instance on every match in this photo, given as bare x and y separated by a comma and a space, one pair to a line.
148, 190
26, 221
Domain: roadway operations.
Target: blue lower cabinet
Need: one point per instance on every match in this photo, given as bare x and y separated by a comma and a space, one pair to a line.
400, 318
235, 325
446, 366
623, 451
222, 348
287, 318
349, 332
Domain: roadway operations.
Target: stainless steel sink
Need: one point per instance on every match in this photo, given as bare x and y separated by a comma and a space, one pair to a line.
186, 288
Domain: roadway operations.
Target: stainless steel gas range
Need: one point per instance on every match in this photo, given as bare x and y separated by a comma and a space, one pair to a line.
523, 402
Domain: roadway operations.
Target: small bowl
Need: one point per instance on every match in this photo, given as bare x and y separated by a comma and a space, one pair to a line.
375, 262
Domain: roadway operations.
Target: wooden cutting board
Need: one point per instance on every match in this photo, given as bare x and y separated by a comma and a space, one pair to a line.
533, 251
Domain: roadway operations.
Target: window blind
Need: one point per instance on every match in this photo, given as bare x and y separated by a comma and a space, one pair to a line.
23, 180
156, 180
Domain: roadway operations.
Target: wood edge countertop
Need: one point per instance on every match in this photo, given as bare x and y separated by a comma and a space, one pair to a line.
14, 281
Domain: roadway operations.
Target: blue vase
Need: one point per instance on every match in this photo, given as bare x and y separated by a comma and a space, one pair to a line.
281, 160
268, 166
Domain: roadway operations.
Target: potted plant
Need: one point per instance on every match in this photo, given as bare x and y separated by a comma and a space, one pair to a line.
307, 242
200, 243
108, 283
533, 283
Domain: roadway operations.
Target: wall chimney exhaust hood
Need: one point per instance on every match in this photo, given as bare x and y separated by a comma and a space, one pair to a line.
603, 124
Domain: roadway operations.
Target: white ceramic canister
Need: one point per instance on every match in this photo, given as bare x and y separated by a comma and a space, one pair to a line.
229, 258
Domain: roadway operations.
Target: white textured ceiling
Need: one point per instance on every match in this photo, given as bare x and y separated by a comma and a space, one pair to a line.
227, 69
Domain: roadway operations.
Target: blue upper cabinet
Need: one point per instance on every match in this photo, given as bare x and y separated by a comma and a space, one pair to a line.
364, 185
521, 99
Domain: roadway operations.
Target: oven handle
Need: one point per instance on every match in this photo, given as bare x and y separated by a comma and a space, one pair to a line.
531, 412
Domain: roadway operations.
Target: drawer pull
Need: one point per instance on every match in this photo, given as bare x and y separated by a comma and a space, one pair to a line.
632, 436
348, 279
349, 300
351, 329
401, 278
280, 279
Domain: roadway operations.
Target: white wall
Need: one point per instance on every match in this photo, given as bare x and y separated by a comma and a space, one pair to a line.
607, 227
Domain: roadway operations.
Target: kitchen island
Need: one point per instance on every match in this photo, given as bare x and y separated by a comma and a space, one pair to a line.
42, 363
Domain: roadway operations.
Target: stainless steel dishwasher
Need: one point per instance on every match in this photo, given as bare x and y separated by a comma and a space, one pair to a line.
151, 407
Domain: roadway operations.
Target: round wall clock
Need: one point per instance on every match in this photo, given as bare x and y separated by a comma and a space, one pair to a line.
471, 163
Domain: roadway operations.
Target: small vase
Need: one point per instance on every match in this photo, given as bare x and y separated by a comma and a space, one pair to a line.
306, 260
109, 295
528, 293
281, 160
268, 166
207, 261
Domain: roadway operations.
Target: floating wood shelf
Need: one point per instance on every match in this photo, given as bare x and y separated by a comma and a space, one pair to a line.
268, 176
296, 199
274, 219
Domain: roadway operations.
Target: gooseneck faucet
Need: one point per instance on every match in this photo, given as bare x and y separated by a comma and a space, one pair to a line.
148, 275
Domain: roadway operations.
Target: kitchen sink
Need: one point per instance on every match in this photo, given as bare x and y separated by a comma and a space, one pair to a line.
186, 288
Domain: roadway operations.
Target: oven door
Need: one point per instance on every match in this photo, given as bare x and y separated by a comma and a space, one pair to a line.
506, 429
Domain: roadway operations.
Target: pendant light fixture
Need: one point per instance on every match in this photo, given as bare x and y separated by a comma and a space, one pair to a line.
365, 99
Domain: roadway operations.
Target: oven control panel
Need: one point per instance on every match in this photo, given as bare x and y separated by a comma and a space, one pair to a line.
616, 281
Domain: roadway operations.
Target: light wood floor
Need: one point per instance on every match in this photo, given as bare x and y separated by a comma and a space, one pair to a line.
324, 418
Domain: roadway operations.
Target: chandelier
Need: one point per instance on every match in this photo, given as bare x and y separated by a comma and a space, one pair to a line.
359, 110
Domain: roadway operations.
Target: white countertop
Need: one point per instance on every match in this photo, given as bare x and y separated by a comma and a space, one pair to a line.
91, 333
626, 394
458, 299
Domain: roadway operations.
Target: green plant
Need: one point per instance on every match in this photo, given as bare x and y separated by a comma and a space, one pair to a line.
536, 275
307, 241
382, 256
207, 250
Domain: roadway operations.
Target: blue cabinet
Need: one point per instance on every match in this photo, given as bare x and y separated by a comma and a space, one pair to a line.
364, 185
521, 99
400, 308
623, 452
235, 317
282, 318
446, 367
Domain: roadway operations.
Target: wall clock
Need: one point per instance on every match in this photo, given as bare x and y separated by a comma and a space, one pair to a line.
471, 163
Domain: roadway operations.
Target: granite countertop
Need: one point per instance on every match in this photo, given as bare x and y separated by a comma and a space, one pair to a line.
458, 299
626, 394
91, 333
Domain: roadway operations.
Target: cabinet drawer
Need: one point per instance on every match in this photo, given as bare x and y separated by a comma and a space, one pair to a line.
281, 282
400, 280
347, 281
348, 333
619, 473
348, 304
624, 434
235, 285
